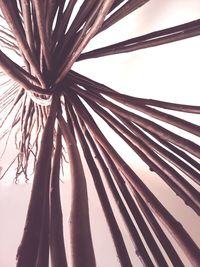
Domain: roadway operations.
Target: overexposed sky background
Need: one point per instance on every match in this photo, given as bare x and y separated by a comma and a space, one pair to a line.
169, 72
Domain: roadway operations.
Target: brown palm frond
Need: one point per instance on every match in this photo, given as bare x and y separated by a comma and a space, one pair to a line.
43, 102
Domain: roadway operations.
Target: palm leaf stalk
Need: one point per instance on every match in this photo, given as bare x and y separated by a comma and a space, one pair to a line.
10, 11
81, 241
114, 229
57, 247
139, 247
150, 142
150, 125
167, 219
170, 176
180, 32
129, 100
34, 248
167, 246
46, 101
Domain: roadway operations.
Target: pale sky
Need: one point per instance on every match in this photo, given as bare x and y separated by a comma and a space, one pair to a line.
169, 72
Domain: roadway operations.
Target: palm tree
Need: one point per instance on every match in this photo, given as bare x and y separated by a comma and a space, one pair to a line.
52, 109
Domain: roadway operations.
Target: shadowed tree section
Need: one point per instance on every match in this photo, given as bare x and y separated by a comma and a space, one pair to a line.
47, 106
